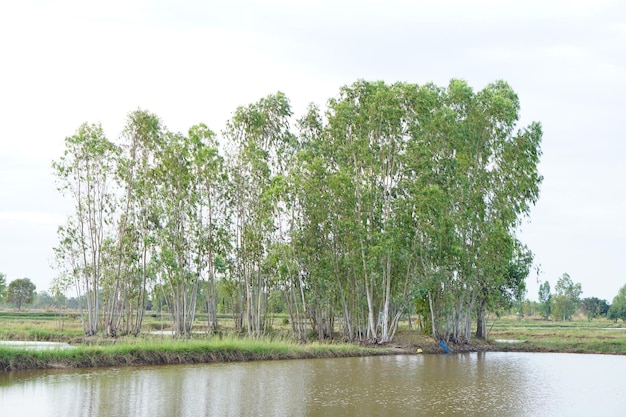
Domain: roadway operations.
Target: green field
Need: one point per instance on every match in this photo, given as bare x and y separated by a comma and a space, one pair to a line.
597, 336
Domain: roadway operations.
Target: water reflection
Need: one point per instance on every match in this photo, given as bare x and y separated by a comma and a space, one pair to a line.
482, 384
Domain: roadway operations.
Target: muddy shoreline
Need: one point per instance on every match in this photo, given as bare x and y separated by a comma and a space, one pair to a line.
433, 347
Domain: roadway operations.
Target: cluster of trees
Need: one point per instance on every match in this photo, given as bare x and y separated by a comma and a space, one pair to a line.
18, 292
566, 302
397, 199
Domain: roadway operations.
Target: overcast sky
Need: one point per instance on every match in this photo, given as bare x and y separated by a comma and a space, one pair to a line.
63, 63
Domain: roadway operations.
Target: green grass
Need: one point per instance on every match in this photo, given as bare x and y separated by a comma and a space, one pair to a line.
142, 351
229, 345
580, 335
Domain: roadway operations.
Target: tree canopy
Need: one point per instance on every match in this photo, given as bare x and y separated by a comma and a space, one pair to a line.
397, 199
617, 310
566, 299
20, 292
594, 307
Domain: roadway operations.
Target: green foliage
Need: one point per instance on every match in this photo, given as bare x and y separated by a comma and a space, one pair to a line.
617, 310
565, 302
44, 300
397, 196
20, 292
3, 286
545, 300
85, 173
593, 307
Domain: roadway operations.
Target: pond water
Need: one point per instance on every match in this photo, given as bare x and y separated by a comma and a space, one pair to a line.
35, 345
476, 384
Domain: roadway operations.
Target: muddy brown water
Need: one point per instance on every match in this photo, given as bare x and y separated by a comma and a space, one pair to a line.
474, 384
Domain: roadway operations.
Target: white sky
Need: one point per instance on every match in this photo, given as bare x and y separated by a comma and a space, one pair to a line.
66, 62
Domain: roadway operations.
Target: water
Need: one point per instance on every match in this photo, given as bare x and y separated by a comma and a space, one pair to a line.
35, 345
477, 384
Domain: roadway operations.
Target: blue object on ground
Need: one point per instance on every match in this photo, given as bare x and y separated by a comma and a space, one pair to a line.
444, 346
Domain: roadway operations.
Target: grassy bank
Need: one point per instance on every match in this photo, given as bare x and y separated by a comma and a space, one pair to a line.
141, 351
531, 335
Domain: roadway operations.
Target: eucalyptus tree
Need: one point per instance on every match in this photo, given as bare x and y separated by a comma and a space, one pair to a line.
302, 262
178, 223
367, 132
213, 239
260, 136
495, 183
470, 178
85, 174
349, 140
508, 281
426, 202
131, 249
325, 281
513, 178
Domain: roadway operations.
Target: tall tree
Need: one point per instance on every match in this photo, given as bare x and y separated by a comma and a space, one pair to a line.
84, 172
261, 137
213, 223
177, 219
464, 144
133, 241
367, 132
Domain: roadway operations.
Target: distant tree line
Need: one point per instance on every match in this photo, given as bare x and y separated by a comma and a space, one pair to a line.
397, 199
567, 301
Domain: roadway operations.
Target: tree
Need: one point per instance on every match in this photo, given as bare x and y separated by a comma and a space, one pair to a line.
85, 173
593, 307
3, 285
45, 300
260, 136
132, 242
212, 230
618, 306
545, 300
488, 179
20, 292
367, 133
177, 214
566, 299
